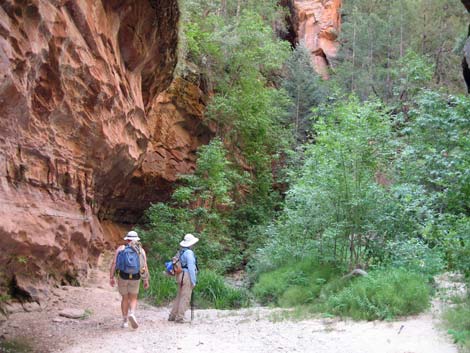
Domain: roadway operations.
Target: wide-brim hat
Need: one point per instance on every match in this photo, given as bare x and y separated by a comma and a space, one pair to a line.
132, 236
189, 240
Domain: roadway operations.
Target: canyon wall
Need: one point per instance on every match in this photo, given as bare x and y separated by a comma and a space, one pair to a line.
93, 127
95, 124
317, 23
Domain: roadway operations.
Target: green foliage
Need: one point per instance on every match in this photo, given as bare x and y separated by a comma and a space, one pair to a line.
334, 201
453, 232
304, 88
202, 205
413, 73
17, 345
380, 187
436, 149
212, 291
376, 36
162, 288
213, 180
384, 294
295, 283
4, 297
240, 56
413, 255
164, 229
457, 320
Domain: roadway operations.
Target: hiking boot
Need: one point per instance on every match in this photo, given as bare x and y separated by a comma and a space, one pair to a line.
133, 321
171, 318
124, 324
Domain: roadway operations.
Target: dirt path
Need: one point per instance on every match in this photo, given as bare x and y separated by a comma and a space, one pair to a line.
248, 330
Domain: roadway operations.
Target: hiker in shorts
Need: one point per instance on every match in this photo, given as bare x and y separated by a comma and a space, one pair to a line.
128, 283
186, 280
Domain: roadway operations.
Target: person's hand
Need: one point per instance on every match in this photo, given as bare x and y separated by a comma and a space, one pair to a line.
146, 284
111, 281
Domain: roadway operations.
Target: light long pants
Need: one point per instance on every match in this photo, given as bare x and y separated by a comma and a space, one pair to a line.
183, 298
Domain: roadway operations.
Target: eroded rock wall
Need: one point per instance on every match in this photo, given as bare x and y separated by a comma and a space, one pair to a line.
93, 127
317, 23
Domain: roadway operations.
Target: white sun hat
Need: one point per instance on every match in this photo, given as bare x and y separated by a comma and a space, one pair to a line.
189, 240
132, 236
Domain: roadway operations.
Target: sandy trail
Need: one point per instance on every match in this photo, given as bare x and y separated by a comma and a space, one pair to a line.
251, 331
230, 331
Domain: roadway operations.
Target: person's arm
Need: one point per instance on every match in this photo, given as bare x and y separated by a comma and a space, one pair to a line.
112, 270
191, 263
147, 277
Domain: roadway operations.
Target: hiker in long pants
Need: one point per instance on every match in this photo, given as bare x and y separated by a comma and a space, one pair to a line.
186, 280
131, 263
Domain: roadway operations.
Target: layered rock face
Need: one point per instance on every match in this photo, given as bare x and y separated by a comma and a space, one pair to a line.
93, 127
317, 24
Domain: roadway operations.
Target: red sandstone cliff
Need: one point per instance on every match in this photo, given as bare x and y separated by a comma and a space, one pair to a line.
317, 24
93, 127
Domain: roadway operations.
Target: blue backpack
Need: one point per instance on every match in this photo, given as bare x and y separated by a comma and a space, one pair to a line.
128, 260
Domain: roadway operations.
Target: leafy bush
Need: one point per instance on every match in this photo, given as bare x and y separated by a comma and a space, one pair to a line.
380, 187
335, 206
384, 294
454, 233
413, 255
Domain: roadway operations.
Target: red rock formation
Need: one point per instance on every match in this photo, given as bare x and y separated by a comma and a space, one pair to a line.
91, 128
317, 24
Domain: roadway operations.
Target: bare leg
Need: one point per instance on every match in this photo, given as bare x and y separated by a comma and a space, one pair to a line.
132, 306
132, 302
125, 305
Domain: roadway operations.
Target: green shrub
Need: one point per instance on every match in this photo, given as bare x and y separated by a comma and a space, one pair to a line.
162, 288
212, 291
384, 294
294, 284
295, 295
414, 255
457, 320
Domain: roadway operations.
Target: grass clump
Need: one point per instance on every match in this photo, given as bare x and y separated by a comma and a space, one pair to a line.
162, 288
384, 294
457, 320
212, 291
294, 284
313, 288
16, 345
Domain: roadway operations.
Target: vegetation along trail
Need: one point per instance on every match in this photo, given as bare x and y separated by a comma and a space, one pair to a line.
302, 142
255, 329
